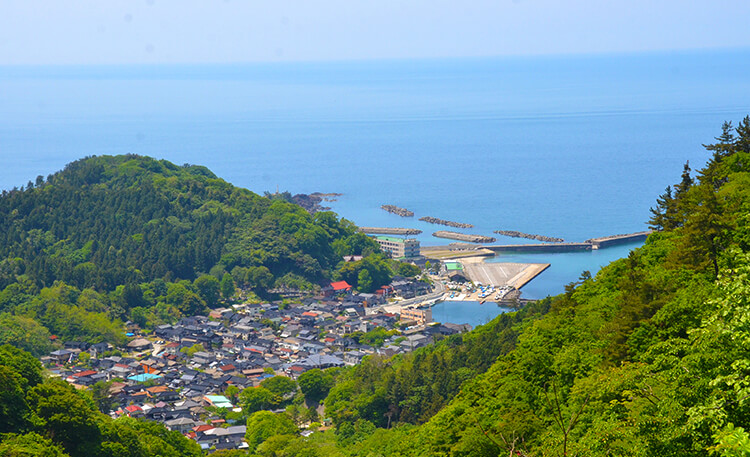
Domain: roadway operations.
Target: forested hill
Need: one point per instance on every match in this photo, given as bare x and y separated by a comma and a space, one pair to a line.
138, 238
105, 221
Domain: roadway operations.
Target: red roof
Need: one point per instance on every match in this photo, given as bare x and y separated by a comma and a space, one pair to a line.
340, 285
81, 374
227, 367
203, 428
310, 313
133, 408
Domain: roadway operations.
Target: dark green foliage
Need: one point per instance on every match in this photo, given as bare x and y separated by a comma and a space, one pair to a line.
368, 274
315, 384
132, 236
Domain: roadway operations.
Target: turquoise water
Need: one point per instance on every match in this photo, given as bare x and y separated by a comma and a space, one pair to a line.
573, 147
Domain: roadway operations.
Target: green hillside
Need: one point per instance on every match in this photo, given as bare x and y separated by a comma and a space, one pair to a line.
130, 237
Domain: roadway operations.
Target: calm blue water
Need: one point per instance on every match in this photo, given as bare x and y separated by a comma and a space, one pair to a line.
466, 312
575, 147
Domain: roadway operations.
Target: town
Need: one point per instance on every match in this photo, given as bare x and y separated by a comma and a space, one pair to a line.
190, 375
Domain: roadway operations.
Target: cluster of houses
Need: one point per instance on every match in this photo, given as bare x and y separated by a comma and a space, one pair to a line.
179, 374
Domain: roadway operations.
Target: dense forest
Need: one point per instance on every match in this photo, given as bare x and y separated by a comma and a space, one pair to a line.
110, 239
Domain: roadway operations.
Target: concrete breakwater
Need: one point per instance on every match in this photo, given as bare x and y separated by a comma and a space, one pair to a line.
403, 212
435, 220
389, 231
612, 240
516, 234
464, 237
593, 243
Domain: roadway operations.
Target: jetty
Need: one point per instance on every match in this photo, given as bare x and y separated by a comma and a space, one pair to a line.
588, 245
618, 239
464, 237
530, 236
390, 231
435, 220
403, 212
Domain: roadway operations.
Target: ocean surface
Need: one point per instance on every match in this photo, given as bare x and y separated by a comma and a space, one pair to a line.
573, 147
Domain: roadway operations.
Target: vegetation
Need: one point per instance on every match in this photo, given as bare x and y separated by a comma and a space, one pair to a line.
110, 239
48, 417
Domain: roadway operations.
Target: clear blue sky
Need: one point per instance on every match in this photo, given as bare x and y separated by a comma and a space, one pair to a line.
171, 31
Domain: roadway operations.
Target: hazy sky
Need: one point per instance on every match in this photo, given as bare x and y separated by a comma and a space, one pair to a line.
166, 31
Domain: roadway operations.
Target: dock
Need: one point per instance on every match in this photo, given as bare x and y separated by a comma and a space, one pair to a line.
390, 231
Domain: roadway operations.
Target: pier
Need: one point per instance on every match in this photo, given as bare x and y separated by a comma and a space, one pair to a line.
390, 231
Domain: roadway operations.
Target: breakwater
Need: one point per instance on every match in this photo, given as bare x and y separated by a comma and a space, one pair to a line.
517, 234
389, 231
464, 237
435, 220
588, 245
613, 240
403, 212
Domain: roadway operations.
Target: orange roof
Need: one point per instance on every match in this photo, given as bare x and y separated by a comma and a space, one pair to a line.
340, 285
310, 314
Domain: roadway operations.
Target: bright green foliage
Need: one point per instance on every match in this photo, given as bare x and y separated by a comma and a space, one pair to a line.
25, 333
255, 399
279, 385
408, 270
262, 425
29, 445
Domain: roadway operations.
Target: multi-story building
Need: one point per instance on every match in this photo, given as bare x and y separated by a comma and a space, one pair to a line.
420, 316
399, 247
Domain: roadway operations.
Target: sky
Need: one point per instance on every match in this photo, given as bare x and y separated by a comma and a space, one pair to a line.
229, 31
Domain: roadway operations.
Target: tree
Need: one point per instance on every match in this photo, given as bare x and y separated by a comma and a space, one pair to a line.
364, 281
29, 445
315, 384
227, 286
209, 289
255, 399
265, 424
408, 270
279, 385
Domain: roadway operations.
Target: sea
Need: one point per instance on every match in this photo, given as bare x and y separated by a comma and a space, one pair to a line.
574, 146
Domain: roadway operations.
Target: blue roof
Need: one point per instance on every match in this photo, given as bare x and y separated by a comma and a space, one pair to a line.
144, 377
